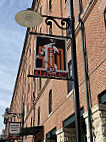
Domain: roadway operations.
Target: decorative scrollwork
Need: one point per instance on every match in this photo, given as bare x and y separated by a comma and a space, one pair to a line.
17, 115
64, 21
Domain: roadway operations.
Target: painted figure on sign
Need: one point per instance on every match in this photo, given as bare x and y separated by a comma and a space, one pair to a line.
47, 53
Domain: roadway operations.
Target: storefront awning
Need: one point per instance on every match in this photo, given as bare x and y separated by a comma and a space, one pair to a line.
32, 130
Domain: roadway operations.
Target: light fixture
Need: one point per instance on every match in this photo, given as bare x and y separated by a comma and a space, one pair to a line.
6, 115
28, 18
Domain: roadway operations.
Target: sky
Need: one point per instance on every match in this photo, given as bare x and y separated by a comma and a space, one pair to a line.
12, 38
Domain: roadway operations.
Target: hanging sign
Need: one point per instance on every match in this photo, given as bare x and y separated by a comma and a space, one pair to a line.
14, 128
50, 57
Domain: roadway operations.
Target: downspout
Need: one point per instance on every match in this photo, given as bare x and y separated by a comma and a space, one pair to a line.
85, 72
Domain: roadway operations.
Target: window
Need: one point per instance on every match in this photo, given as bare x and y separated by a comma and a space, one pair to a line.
40, 83
29, 69
29, 52
31, 121
70, 85
68, 31
28, 91
27, 107
51, 135
40, 29
33, 96
50, 101
50, 28
102, 97
105, 16
50, 5
38, 116
65, 1
41, 10
35, 29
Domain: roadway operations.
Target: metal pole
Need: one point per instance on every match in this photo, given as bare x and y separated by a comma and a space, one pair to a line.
85, 74
75, 76
22, 119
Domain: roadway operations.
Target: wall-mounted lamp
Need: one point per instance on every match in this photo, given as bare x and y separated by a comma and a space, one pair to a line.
28, 18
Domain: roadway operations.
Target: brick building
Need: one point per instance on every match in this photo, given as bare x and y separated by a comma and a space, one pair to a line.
50, 103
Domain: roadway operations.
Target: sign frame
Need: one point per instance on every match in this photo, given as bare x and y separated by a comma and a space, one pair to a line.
14, 132
62, 54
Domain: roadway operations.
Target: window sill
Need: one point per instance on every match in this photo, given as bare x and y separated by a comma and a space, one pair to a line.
50, 114
69, 94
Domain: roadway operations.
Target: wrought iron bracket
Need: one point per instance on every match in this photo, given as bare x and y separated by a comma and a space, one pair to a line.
65, 24
18, 115
64, 21
50, 35
58, 78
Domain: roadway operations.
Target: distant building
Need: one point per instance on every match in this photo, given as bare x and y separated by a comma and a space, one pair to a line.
50, 103
2, 136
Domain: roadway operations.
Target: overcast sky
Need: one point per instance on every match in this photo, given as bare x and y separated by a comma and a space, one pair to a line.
11, 43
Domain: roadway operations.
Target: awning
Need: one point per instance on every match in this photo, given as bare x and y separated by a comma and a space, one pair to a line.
32, 130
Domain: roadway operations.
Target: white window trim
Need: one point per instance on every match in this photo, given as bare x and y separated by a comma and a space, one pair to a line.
69, 94
50, 114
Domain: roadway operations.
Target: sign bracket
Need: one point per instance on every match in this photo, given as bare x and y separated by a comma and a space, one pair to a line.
50, 77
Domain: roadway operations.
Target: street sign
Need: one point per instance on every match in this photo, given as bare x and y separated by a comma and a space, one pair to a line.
14, 128
50, 57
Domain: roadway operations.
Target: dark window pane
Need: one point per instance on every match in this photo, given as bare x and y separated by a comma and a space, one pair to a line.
50, 28
40, 29
65, 1
40, 83
50, 5
68, 31
41, 10
31, 121
50, 101
70, 85
38, 116
105, 17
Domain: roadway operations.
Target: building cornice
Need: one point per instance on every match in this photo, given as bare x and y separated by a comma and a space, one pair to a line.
98, 107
